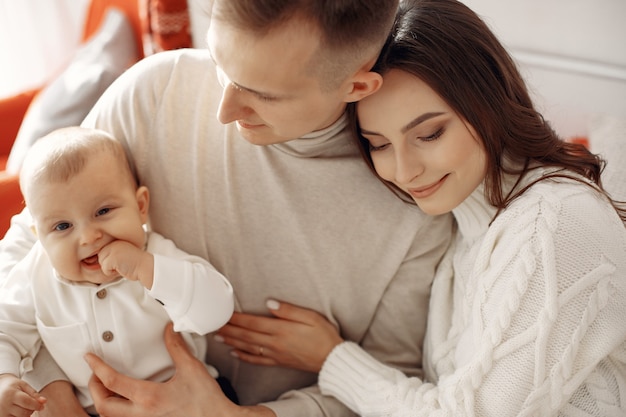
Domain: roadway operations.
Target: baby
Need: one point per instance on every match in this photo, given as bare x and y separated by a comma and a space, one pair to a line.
97, 281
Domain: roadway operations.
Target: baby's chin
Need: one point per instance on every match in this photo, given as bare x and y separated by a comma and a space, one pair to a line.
92, 278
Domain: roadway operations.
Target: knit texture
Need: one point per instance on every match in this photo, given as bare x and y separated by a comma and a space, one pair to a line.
526, 317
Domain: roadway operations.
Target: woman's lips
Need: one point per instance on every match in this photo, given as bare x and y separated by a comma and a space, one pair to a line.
427, 191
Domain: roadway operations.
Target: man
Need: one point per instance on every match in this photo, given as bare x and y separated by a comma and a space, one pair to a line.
276, 197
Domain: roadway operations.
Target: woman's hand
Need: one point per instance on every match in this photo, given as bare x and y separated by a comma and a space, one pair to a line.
296, 337
191, 392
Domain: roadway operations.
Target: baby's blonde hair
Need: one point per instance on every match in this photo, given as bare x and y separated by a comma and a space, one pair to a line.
63, 153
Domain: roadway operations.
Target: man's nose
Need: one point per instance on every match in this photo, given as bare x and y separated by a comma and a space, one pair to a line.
233, 105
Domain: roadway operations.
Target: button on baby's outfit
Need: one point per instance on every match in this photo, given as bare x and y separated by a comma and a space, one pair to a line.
107, 336
101, 294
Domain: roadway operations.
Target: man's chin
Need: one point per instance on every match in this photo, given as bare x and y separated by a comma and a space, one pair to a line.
261, 136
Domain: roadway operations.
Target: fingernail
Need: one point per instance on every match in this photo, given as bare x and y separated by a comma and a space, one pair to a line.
272, 304
87, 358
218, 338
233, 354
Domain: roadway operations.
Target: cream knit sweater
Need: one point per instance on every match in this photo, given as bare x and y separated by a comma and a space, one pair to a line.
527, 318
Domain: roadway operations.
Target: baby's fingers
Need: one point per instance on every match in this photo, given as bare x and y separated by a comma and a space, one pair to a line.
26, 401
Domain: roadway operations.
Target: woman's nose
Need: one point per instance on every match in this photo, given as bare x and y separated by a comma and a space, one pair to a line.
408, 166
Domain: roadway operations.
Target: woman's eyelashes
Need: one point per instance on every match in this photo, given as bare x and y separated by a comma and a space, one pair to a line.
378, 145
432, 137
374, 148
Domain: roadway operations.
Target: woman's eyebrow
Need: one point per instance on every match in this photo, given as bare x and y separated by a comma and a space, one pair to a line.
420, 119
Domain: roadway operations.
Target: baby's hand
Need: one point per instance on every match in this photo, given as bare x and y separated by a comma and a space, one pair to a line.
17, 397
123, 258
119, 258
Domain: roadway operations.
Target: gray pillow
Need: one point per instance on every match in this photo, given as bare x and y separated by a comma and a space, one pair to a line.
69, 97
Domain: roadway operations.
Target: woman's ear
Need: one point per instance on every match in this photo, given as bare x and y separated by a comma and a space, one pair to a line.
362, 84
143, 202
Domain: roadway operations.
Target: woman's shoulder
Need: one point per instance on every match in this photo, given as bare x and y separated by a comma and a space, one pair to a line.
572, 212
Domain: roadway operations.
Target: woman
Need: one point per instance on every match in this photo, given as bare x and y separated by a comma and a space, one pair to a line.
527, 310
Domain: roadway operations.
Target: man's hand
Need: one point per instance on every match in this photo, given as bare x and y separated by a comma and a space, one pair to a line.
191, 392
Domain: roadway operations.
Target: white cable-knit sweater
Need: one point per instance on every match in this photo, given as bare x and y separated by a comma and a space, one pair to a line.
527, 317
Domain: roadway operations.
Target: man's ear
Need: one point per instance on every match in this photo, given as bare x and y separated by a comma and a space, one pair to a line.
143, 202
362, 84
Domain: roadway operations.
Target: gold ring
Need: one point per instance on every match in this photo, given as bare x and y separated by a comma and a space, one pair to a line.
260, 350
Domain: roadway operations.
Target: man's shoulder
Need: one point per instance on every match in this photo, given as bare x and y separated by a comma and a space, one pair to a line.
170, 67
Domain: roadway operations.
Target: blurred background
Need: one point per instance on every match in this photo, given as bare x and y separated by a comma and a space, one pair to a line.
572, 52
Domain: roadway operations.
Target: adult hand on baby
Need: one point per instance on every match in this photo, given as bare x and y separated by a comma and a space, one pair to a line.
296, 337
191, 392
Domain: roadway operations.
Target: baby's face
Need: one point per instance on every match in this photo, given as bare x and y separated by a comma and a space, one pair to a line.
75, 219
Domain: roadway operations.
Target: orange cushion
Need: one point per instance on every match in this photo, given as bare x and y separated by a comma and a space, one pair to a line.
12, 110
97, 11
12, 200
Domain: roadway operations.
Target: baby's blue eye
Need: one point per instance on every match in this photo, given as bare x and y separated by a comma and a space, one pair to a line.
62, 226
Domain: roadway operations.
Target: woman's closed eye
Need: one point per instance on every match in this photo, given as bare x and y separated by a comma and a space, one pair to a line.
432, 137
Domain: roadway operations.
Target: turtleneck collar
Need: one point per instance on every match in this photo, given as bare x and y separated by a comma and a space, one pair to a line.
331, 141
475, 213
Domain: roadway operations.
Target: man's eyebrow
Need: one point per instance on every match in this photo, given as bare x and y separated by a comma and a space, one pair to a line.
241, 87
255, 92
419, 119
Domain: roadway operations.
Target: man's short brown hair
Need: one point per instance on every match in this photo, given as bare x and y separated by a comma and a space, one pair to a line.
352, 32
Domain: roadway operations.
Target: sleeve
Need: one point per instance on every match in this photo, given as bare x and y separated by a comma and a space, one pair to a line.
541, 301
197, 297
16, 243
19, 338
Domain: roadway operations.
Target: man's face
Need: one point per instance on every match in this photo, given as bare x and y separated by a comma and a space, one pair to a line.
268, 91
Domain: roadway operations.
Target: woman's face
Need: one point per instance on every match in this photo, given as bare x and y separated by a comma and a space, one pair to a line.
418, 143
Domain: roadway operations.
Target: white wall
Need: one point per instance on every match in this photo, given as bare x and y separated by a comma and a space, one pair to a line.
572, 53
37, 39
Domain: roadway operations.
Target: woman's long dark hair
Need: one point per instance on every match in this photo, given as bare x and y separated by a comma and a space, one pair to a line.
449, 47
